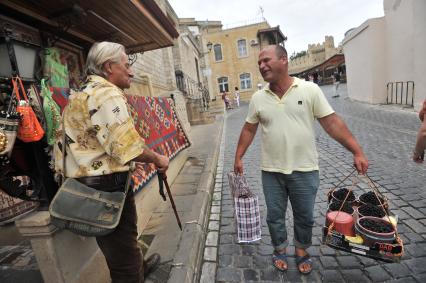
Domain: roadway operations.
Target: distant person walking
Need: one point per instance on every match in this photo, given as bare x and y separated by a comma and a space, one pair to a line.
419, 149
336, 82
237, 97
225, 99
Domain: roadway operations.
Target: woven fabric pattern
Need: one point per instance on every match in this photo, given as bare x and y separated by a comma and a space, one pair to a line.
156, 121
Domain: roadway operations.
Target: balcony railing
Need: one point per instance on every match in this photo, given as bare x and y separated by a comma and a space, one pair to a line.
192, 89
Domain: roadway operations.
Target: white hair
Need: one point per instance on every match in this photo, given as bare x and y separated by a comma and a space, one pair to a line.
101, 52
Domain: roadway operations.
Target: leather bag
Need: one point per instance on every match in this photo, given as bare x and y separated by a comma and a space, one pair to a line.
84, 210
30, 129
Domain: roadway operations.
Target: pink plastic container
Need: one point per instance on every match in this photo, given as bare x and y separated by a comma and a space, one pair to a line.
343, 222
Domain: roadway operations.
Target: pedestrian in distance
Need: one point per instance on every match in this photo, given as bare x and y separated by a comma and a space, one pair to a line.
226, 100
420, 147
286, 110
237, 97
101, 141
336, 83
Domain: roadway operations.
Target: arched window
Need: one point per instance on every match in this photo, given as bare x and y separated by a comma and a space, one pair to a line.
245, 81
218, 52
223, 84
242, 48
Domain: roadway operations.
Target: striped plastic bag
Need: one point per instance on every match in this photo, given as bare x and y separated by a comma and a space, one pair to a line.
246, 209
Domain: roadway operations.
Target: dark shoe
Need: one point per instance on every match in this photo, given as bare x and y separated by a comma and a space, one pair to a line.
150, 264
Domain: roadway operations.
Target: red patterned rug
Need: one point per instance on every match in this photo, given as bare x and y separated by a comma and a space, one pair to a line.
157, 122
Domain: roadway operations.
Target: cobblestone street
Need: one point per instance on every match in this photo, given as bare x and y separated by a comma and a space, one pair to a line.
387, 135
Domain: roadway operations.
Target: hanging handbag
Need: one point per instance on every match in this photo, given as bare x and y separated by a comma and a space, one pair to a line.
9, 121
83, 210
36, 104
29, 129
51, 112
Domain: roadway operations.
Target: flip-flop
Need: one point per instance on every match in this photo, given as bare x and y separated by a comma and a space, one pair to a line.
279, 257
306, 259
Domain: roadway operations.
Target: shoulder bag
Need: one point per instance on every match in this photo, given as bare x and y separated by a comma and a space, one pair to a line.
83, 210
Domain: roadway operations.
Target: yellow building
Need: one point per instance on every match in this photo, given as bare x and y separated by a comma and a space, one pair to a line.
233, 56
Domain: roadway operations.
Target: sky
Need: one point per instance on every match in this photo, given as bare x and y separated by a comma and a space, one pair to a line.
302, 21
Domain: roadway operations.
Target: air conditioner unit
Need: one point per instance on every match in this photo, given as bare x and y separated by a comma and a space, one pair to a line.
254, 42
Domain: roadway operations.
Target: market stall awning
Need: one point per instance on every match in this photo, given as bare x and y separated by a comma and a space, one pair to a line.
140, 25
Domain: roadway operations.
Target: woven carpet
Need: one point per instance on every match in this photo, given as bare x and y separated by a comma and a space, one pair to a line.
158, 124
12, 208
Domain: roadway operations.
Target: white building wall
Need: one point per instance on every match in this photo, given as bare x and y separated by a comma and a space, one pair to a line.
388, 49
399, 29
365, 64
419, 64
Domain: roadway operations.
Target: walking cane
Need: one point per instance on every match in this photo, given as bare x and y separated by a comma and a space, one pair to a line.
162, 177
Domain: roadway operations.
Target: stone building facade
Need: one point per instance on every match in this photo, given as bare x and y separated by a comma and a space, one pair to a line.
315, 55
154, 70
234, 54
189, 63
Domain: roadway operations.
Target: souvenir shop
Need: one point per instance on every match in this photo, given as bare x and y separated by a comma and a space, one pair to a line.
42, 49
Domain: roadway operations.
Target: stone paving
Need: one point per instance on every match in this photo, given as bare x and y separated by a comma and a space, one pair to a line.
387, 134
17, 261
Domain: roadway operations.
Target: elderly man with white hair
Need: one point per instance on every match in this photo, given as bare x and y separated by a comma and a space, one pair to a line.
101, 140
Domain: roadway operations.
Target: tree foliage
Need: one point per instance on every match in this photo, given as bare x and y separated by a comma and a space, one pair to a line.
298, 54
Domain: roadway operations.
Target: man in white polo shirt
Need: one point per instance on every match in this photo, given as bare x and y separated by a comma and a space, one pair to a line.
286, 110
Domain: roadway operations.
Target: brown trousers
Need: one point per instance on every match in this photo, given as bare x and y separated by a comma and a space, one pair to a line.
120, 248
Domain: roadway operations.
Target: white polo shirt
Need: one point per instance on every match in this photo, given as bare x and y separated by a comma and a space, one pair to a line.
287, 123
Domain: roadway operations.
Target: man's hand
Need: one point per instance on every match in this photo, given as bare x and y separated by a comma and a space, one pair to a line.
162, 163
238, 167
361, 163
246, 137
149, 156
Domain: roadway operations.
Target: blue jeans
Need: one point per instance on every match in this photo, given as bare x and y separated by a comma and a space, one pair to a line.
301, 188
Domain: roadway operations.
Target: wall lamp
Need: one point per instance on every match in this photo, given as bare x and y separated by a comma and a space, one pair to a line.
209, 46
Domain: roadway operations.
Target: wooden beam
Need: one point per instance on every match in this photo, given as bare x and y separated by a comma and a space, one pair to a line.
152, 20
45, 20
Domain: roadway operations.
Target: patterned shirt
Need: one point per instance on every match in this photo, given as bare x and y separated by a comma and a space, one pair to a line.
100, 135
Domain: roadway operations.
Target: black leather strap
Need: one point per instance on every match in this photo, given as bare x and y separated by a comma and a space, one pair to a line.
109, 180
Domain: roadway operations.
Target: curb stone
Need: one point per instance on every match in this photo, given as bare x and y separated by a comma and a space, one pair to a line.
188, 258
